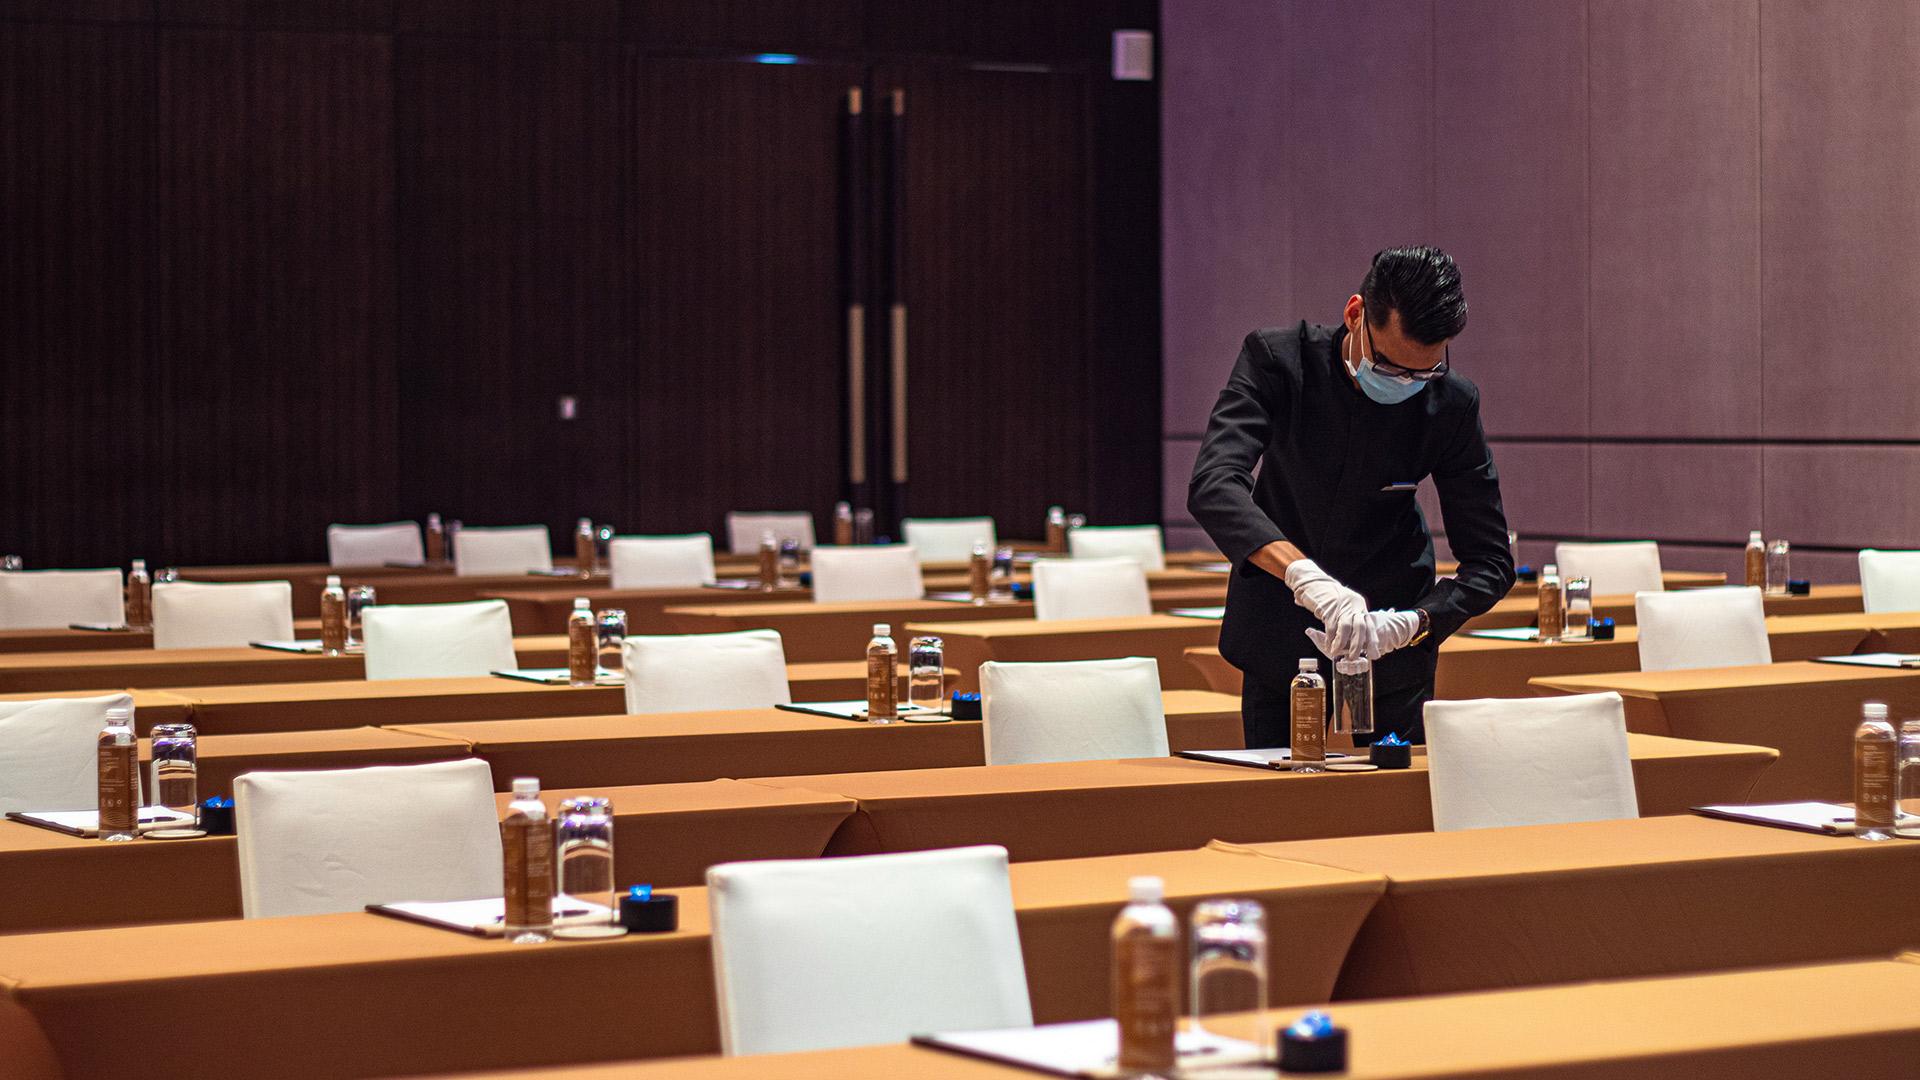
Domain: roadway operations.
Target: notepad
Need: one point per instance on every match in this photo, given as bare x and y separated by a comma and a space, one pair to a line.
485, 917
1874, 659
1199, 612
1278, 757
855, 710
101, 628
559, 676
1087, 1048
1833, 819
1508, 633
87, 822
310, 646
557, 571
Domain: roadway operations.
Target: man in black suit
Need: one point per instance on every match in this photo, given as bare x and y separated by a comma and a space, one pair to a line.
1331, 554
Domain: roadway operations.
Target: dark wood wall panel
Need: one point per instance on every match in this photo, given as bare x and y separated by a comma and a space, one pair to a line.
792, 26
511, 279
274, 315
737, 372
76, 128
995, 227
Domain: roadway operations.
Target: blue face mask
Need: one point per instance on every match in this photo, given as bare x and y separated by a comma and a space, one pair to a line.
1383, 388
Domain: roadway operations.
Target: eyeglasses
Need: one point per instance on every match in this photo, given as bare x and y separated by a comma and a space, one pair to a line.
1396, 371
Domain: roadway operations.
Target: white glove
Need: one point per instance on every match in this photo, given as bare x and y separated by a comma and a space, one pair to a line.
1341, 610
1381, 632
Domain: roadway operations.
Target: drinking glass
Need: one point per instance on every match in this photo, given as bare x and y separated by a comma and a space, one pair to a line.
611, 625
1229, 970
1579, 599
927, 673
359, 598
176, 770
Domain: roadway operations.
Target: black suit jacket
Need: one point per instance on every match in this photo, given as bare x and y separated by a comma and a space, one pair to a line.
1335, 476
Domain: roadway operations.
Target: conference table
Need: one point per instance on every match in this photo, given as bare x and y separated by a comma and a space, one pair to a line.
221, 709
1062, 810
1162, 637
367, 995
670, 747
1524, 610
68, 639
666, 834
1805, 710
150, 707
1847, 1020
579, 751
1483, 909
1478, 667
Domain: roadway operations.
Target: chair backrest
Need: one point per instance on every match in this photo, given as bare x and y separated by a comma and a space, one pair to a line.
1890, 580
375, 545
1089, 589
1696, 628
55, 599
1529, 761
434, 641
313, 843
220, 614
662, 562
746, 527
941, 540
48, 752
1143, 543
513, 549
888, 946
887, 572
697, 672
1074, 710
1614, 569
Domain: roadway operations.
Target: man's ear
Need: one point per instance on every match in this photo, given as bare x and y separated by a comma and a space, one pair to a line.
1352, 312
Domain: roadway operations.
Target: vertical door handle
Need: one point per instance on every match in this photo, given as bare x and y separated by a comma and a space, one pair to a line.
897, 314
854, 179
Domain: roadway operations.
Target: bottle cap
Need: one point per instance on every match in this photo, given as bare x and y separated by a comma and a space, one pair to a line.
1873, 710
1754, 537
580, 603
526, 787
585, 523
140, 565
1910, 726
432, 520
1146, 889
1309, 664
333, 581
120, 714
881, 629
979, 547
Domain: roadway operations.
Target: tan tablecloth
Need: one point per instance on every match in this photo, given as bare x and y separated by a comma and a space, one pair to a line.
1473, 667
582, 751
836, 631
1163, 637
1521, 610
223, 757
1072, 809
159, 669
1807, 711
150, 707
1488, 908
361, 995
1827, 1022
667, 834
66, 639
304, 706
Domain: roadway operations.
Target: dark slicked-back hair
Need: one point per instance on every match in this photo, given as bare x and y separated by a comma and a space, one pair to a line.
1423, 285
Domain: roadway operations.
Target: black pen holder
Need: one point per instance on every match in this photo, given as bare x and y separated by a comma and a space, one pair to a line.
1526, 573
965, 707
1799, 587
1313, 1053
657, 914
1602, 629
1390, 757
1023, 590
217, 820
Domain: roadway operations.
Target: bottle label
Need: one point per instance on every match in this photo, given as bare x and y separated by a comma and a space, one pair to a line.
527, 857
769, 567
333, 622
583, 651
1146, 992
583, 554
119, 810
139, 604
1872, 784
1756, 567
1309, 724
980, 573
883, 691
1553, 618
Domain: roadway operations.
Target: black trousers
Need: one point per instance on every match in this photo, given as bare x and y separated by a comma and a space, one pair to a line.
1266, 711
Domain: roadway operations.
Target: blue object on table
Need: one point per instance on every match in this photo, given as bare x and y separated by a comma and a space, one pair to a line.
1023, 590
216, 816
965, 707
1603, 629
641, 912
1313, 1044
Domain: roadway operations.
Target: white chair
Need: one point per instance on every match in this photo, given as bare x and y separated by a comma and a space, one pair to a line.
1089, 589
888, 946
49, 756
1529, 761
943, 540
1614, 569
314, 843
887, 572
662, 562
1075, 710
1143, 543
437, 641
56, 599
516, 549
746, 527
1697, 628
1890, 580
222, 614
375, 545
697, 672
